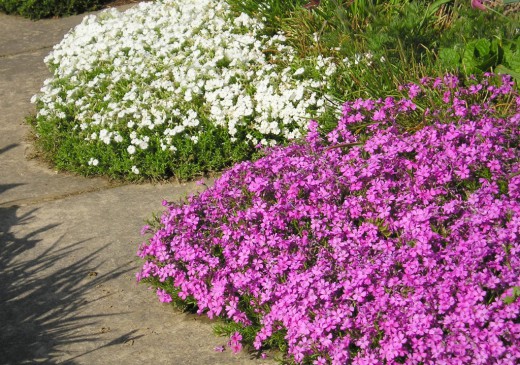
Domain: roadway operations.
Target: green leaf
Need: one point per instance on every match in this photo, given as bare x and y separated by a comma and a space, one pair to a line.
512, 58
449, 57
478, 55
468, 59
496, 47
483, 46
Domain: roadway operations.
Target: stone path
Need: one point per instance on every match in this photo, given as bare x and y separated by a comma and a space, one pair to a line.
67, 263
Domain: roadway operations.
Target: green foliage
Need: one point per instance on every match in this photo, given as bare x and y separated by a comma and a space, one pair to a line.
37, 9
213, 152
477, 41
188, 305
415, 38
271, 11
225, 327
483, 54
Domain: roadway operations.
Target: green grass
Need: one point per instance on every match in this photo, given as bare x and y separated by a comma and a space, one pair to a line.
415, 38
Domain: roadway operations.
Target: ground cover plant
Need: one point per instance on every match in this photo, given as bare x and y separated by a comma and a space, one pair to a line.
398, 245
37, 9
173, 88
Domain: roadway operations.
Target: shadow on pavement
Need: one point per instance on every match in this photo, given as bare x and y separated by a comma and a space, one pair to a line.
7, 148
6, 187
41, 287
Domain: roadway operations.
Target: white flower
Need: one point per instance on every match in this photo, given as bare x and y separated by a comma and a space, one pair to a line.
187, 95
299, 71
135, 170
131, 149
330, 69
93, 162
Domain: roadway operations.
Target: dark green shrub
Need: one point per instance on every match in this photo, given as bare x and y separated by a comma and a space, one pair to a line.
37, 9
478, 41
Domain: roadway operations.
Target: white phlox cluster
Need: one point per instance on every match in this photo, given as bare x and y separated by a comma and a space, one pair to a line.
171, 68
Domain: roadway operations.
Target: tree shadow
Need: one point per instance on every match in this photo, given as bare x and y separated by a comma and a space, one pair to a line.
40, 306
6, 187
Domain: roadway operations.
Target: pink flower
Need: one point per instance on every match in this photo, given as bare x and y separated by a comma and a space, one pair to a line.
145, 230
163, 296
234, 342
413, 90
477, 4
236, 337
236, 347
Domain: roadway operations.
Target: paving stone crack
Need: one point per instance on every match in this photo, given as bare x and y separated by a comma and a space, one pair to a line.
25, 52
24, 202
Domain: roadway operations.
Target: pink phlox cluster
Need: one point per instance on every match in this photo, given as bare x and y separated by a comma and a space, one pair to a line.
398, 250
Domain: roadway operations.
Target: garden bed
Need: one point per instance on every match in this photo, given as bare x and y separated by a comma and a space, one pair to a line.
380, 230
